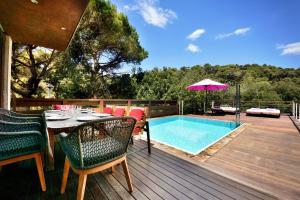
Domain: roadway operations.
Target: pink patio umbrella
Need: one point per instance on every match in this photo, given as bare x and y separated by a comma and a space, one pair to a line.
206, 85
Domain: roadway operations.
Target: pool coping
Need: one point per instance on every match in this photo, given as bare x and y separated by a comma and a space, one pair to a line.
204, 148
204, 154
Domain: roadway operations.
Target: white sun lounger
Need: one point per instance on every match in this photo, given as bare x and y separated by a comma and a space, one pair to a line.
272, 112
228, 109
259, 111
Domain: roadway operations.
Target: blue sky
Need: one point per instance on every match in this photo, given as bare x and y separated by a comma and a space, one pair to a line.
184, 33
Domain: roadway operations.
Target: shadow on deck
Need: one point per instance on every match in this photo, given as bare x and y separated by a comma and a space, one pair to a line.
156, 176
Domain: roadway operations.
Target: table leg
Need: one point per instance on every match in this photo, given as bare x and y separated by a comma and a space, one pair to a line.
50, 152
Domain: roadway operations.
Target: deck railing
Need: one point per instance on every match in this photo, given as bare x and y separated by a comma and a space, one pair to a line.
155, 108
296, 111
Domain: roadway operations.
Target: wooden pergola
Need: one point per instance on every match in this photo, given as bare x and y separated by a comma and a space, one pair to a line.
44, 23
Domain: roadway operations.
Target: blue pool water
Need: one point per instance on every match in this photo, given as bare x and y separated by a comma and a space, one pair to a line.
189, 134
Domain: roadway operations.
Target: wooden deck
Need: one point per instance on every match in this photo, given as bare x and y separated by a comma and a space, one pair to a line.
266, 155
156, 176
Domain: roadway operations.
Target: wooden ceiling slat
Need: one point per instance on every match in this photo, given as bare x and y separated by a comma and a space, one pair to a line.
41, 23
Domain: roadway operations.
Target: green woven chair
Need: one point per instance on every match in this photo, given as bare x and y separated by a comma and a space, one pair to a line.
95, 146
15, 114
22, 141
11, 118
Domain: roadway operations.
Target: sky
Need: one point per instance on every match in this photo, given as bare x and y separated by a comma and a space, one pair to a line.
180, 33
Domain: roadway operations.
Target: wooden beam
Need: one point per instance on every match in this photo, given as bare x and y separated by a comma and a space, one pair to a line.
1, 50
6, 72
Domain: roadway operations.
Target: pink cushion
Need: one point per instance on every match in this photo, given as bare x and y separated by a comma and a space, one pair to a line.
119, 112
138, 114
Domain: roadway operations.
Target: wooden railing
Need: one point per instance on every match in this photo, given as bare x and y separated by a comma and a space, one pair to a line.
155, 108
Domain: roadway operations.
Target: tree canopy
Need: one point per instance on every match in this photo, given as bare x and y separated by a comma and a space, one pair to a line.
103, 41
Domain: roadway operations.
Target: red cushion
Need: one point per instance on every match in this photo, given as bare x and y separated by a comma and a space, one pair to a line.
57, 107
138, 114
119, 112
63, 107
108, 110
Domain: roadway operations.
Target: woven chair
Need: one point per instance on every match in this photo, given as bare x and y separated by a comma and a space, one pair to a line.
141, 124
11, 118
95, 146
15, 114
22, 141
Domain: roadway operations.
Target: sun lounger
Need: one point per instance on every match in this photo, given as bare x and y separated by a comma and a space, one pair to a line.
272, 112
228, 109
254, 111
266, 112
217, 110
223, 110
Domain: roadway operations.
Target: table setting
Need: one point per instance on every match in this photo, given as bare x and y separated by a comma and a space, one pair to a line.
71, 118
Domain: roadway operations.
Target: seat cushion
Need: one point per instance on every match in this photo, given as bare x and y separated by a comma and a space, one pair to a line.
96, 152
11, 147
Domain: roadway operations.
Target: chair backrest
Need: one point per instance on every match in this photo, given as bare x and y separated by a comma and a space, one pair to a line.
119, 112
111, 135
108, 110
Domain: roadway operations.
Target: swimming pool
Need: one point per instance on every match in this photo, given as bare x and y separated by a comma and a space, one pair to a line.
189, 134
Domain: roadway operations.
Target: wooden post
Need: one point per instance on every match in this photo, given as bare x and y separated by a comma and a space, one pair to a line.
299, 113
101, 106
178, 107
14, 103
6, 72
1, 50
149, 109
128, 107
293, 111
296, 112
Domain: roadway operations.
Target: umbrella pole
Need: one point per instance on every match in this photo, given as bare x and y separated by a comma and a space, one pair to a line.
205, 107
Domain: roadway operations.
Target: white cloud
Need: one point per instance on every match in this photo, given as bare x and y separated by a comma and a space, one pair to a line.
196, 34
193, 48
290, 49
237, 32
152, 13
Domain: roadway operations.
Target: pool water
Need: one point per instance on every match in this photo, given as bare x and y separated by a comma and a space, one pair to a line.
189, 134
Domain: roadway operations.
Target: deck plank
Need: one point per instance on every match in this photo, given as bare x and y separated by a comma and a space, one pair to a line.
215, 181
200, 184
158, 176
265, 156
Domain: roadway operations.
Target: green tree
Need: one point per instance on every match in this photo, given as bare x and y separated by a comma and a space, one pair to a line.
30, 65
103, 42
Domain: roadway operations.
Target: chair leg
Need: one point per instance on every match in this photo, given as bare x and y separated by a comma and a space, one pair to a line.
126, 172
131, 140
65, 176
39, 165
113, 169
81, 186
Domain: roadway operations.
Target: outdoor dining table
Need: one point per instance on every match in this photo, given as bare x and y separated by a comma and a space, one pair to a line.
62, 121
